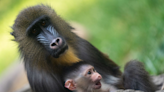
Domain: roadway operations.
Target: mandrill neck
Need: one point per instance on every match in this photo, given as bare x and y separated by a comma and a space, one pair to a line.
68, 58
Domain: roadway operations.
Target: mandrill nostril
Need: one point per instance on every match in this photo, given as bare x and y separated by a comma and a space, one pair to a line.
53, 44
57, 40
56, 43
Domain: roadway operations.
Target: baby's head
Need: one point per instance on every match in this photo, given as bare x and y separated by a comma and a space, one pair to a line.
82, 77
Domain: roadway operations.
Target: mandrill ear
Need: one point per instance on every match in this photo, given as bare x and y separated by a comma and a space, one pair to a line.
70, 84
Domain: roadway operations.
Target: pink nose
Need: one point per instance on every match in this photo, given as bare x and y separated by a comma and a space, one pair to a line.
96, 76
56, 43
99, 76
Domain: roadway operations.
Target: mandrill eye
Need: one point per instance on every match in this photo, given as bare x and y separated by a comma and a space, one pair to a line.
89, 72
34, 31
94, 70
43, 23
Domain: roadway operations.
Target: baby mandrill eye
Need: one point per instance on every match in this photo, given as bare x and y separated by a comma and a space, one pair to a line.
94, 70
89, 72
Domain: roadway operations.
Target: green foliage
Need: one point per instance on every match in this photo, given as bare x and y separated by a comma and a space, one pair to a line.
123, 29
127, 30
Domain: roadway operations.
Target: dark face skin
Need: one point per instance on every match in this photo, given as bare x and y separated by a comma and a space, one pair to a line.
86, 81
44, 32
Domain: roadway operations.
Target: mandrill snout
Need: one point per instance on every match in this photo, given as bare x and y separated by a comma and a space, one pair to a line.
56, 43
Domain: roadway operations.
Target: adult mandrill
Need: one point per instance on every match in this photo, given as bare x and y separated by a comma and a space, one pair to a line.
47, 45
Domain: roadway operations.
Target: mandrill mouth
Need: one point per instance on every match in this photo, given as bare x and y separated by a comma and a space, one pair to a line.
97, 85
57, 53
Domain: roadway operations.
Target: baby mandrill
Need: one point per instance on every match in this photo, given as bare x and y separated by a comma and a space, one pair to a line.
82, 77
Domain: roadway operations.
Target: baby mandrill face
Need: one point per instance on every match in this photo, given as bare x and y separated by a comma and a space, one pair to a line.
92, 76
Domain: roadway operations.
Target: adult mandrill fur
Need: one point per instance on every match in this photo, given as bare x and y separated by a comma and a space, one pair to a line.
47, 44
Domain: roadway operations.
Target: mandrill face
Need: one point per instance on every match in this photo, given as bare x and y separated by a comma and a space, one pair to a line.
45, 33
44, 29
90, 79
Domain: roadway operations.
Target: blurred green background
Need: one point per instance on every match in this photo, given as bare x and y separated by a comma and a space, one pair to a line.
123, 29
